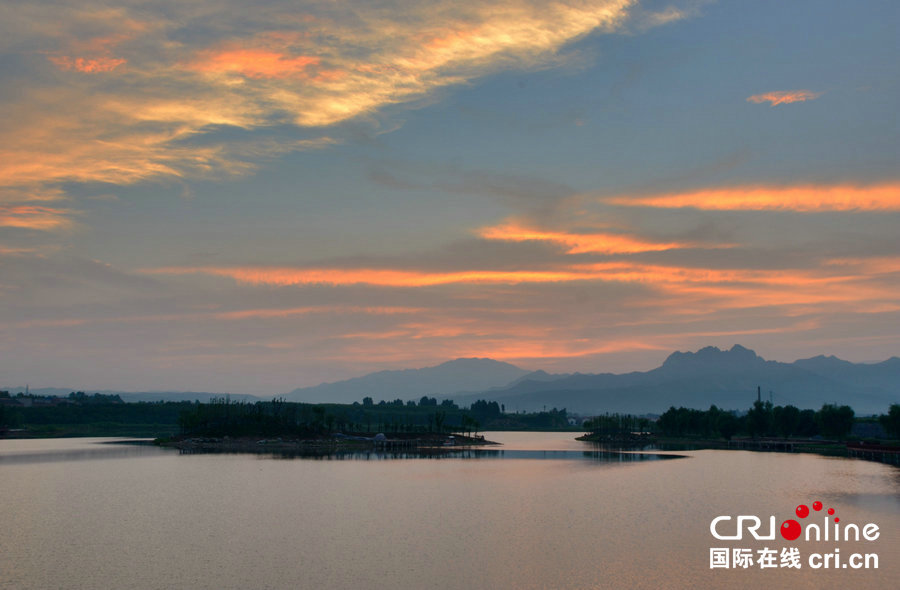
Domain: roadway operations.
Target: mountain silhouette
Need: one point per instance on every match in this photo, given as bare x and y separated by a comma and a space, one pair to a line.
452, 377
726, 378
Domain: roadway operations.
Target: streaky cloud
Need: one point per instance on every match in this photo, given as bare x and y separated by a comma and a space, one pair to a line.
89, 66
579, 243
35, 217
784, 97
719, 288
806, 199
285, 276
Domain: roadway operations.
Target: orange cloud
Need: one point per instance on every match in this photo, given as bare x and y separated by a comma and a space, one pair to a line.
89, 66
254, 63
784, 97
378, 277
682, 288
621, 271
311, 71
809, 198
604, 243
561, 349
281, 313
509, 346
98, 51
43, 143
29, 193
34, 217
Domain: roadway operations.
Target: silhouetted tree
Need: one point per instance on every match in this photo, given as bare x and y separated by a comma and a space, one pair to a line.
891, 421
727, 425
807, 425
835, 421
759, 419
439, 418
786, 420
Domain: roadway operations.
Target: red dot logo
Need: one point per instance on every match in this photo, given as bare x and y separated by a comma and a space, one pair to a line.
790, 529
802, 511
831, 511
817, 505
836, 519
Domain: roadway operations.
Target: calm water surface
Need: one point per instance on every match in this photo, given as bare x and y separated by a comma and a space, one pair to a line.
77, 513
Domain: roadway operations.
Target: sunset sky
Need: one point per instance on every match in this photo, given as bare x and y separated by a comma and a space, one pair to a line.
253, 197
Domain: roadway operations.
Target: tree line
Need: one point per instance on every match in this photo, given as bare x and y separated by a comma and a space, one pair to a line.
223, 417
761, 420
93, 410
277, 417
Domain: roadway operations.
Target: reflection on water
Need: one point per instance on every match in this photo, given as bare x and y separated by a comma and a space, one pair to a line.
49, 451
598, 456
542, 511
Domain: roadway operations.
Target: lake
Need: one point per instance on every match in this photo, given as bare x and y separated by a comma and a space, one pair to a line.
85, 514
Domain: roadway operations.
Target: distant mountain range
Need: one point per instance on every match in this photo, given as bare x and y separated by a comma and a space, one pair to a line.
445, 380
726, 378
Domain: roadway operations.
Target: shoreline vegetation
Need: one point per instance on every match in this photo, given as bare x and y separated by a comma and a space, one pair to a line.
81, 414
277, 425
831, 431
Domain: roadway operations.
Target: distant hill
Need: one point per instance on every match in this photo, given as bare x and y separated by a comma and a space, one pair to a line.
452, 377
726, 378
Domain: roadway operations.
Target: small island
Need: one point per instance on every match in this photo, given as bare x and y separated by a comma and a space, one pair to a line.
303, 429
